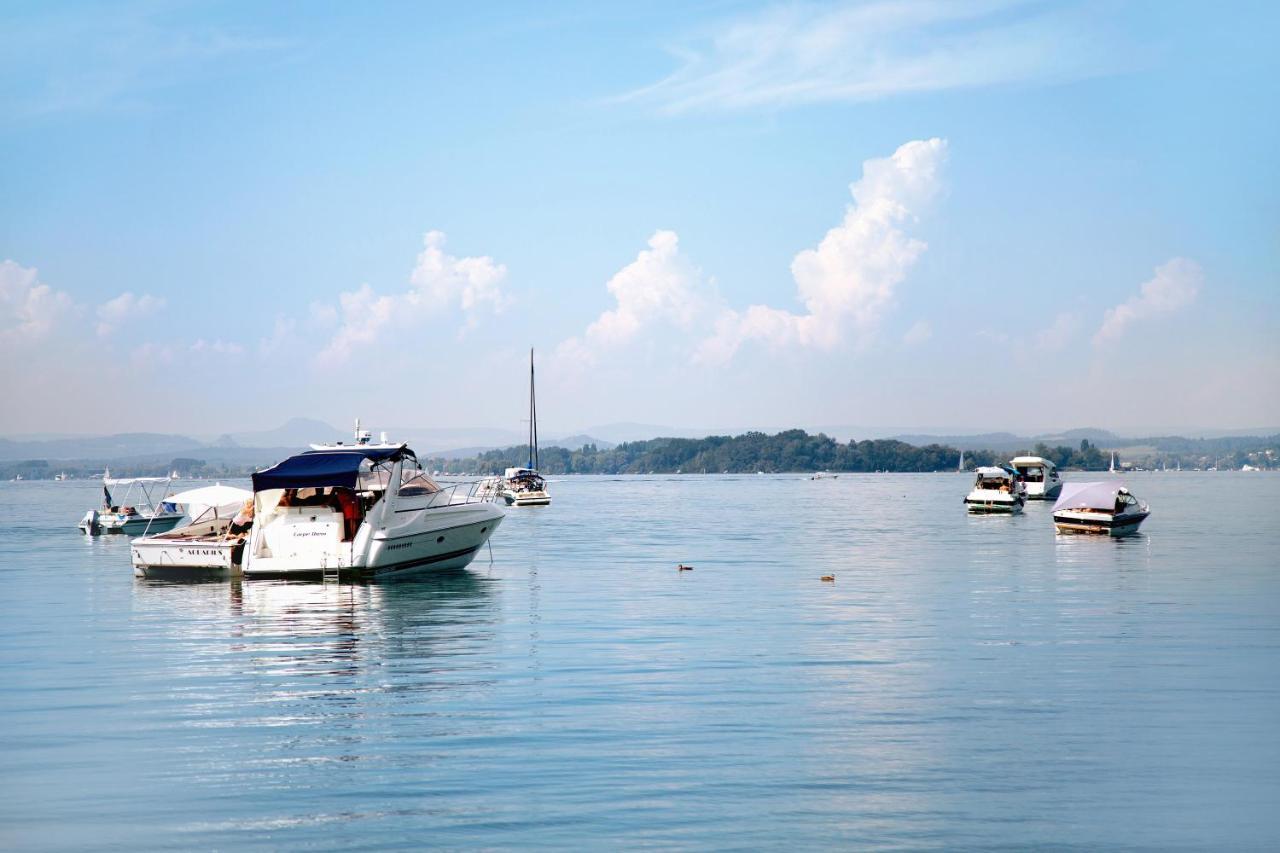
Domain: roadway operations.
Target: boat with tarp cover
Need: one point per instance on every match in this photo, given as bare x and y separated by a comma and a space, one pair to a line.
366, 510
1106, 508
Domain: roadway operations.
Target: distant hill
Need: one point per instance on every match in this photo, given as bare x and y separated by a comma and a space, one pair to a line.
295, 432
1008, 442
98, 447
576, 442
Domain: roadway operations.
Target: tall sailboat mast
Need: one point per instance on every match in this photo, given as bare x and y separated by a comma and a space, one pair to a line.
533, 417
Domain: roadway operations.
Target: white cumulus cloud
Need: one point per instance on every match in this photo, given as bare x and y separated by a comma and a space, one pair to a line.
1174, 286
439, 282
29, 309
660, 285
125, 307
850, 278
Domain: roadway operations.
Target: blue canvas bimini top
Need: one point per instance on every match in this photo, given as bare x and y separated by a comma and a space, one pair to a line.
322, 468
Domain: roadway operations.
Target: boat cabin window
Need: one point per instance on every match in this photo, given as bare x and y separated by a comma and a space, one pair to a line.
1032, 474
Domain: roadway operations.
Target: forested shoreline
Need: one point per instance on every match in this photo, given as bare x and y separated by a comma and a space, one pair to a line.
788, 451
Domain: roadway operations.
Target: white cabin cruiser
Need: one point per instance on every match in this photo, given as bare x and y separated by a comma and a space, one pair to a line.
209, 545
525, 486
1105, 508
1039, 475
137, 513
365, 510
996, 490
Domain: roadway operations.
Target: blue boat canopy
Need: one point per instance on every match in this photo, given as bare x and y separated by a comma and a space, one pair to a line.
323, 468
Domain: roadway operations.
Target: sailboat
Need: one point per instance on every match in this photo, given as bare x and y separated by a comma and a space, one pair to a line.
1112, 469
960, 465
525, 486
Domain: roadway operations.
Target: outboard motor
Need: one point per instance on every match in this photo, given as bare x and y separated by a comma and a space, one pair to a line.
89, 524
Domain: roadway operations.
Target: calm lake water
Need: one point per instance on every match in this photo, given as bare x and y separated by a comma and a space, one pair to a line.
965, 682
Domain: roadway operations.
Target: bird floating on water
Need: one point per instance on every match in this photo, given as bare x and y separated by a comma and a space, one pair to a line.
683, 568
829, 578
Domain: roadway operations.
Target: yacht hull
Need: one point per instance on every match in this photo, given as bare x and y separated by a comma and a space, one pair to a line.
526, 498
441, 540
155, 558
1000, 504
1038, 491
137, 526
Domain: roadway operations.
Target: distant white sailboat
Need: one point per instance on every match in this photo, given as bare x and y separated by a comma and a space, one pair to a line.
1112, 469
960, 464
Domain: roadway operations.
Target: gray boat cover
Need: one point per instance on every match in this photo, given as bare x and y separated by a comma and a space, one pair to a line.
1097, 495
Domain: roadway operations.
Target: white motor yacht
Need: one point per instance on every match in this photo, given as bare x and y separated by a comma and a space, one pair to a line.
137, 513
1039, 475
996, 490
365, 510
1105, 508
525, 486
206, 546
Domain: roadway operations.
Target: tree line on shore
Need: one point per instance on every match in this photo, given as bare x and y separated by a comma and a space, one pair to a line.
789, 451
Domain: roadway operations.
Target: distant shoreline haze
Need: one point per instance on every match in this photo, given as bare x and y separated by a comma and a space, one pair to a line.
141, 454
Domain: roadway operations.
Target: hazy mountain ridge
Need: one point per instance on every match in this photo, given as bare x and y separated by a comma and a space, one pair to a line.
260, 447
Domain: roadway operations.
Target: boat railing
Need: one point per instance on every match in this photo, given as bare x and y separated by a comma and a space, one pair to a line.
465, 492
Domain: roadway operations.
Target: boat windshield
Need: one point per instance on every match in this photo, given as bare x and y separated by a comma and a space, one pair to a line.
415, 481
1031, 473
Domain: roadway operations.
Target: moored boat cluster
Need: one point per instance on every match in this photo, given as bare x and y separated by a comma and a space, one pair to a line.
1105, 507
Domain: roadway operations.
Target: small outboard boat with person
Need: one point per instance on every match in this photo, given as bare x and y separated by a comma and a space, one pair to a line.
997, 490
1106, 508
137, 513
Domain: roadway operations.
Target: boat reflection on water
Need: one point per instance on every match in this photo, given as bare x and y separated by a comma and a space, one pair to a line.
271, 631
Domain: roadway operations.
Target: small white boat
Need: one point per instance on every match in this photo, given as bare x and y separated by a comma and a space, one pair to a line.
138, 513
1039, 475
366, 510
62, 475
1105, 508
525, 486
206, 546
996, 490
823, 475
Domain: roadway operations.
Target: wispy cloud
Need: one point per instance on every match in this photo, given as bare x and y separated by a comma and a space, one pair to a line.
919, 332
809, 53
1174, 286
1058, 333
114, 57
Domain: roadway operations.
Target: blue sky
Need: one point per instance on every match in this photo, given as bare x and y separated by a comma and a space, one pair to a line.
215, 217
